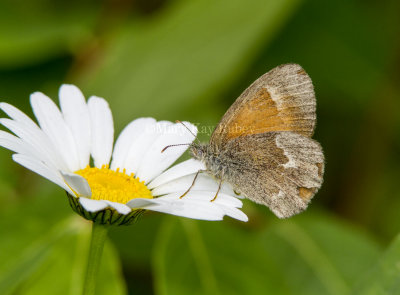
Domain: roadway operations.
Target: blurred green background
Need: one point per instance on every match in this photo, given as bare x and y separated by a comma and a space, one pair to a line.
189, 60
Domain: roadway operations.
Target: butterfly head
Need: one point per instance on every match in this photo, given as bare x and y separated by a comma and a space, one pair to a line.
199, 151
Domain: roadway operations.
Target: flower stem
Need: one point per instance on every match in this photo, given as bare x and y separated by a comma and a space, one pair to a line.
99, 235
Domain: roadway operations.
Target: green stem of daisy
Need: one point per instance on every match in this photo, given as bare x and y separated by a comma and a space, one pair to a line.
99, 236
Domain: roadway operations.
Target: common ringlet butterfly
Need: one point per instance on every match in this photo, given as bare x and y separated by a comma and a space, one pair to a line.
262, 146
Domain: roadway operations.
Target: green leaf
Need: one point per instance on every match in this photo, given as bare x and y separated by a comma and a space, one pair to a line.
66, 267
383, 278
42, 255
305, 255
346, 71
33, 31
188, 52
330, 253
34, 255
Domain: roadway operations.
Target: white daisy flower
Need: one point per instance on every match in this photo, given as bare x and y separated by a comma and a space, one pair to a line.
137, 179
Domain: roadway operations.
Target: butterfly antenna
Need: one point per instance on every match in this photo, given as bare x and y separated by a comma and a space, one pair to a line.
168, 146
171, 145
195, 137
177, 121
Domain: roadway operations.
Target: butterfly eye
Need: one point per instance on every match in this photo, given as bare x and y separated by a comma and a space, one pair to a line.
196, 151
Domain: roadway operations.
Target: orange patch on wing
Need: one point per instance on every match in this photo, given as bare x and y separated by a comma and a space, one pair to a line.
302, 72
260, 114
320, 169
306, 193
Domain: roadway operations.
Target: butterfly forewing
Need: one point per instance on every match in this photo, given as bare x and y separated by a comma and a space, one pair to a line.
281, 100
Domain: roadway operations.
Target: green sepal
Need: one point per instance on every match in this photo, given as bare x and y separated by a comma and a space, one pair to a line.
107, 216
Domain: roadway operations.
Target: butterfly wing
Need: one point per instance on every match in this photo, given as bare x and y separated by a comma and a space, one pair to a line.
282, 170
281, 100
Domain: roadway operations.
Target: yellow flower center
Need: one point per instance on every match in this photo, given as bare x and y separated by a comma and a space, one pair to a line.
113, 185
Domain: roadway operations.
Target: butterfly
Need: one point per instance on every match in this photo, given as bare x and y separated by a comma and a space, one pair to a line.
263, 147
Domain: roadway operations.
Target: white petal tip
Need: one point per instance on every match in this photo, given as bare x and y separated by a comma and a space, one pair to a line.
77, 183
98, 205
120, 208
68, 86
243, 217
92, 205
97, 99
36, 94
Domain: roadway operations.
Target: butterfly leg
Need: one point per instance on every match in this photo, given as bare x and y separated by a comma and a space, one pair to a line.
219, 188
194, 180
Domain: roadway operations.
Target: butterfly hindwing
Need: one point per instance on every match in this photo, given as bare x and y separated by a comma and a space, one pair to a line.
282, 170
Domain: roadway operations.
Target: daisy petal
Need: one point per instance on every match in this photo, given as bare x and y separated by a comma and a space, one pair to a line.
93, 205
207, 196
76, 116
38, 140
121, 208
16, 145
102, 127
235, 213
142, 203
142, 144
225, 202
202, 211
129, 136
52, 123
17, 115
182, 169
155, 161
77, 183
41, 169
203, 183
